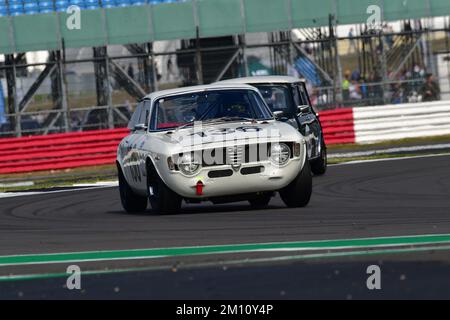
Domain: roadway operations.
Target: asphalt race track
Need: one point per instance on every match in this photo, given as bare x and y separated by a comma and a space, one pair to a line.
394, 198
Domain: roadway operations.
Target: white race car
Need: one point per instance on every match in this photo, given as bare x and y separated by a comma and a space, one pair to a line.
217, 143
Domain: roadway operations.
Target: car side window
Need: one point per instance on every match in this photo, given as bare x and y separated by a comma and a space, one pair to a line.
296, 95
136, 116
145, 113
303, 94
276, 97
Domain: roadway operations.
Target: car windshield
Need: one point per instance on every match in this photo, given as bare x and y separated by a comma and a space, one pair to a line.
277, 97
210, 106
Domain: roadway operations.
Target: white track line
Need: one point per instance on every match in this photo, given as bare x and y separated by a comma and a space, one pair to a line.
102, 185
98, 184
17, 184
389, 159
390, 150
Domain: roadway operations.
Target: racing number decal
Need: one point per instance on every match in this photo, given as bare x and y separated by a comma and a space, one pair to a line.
248, 129
133, 159
138, 159
134, 168
220, 131
224, 131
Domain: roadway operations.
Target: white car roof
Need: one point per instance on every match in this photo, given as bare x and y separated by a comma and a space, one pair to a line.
264, 79
214, 86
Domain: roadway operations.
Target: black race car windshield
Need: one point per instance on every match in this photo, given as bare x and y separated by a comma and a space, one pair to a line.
209, 106
277, 97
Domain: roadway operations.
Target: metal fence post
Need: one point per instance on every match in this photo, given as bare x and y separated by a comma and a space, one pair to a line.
63, 84
109, 93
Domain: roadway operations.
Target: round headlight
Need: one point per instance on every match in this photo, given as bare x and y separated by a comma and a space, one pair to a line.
280, 153
188, 164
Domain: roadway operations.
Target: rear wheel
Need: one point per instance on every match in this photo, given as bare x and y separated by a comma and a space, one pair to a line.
261, 201
131, 201
298, 192
319, 166
162, 199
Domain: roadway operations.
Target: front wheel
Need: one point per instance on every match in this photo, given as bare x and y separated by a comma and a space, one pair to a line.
319, 166
162, 199
131, 202
298, 193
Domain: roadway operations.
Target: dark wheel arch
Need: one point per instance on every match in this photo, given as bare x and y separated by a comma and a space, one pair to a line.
162, 199
319, 165
131, 201
298, 193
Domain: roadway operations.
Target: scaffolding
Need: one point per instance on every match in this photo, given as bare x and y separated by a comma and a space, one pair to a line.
384, 63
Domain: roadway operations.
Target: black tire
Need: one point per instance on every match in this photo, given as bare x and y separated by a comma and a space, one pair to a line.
298, 193
319, 166
261, 201
131, 202
163, 200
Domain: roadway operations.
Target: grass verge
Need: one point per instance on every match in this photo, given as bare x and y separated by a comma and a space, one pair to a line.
59, 178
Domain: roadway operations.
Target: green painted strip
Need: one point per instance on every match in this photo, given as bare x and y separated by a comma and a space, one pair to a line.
12, 278
220, 249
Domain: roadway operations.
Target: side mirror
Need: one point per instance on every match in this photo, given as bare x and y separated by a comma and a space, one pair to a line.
303, 109
140, 127
280, 116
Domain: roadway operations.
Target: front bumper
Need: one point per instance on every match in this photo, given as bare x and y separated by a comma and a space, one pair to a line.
271, 178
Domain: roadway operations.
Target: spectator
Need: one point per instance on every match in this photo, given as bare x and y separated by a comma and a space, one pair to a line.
351, 42
354, 90
345, 86
355, 75
416, 77
363, 88
171, 74
378, 91
397, 93
130, 71
314, 96
2, 105
389, 37
407, 26
430, 89
407, 86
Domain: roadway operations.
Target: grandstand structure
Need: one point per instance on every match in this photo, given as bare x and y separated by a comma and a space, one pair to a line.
211, 40
20, 7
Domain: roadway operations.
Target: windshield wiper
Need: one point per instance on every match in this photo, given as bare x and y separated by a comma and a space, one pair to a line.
221, 119
189, 124
226, 119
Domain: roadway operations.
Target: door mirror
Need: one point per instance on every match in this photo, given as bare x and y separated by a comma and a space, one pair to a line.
140, 127
303, 109
278, 115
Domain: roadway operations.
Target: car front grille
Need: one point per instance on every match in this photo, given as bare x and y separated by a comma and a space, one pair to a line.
236, 155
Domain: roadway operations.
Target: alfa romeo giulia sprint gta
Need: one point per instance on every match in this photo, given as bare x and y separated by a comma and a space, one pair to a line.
218, 143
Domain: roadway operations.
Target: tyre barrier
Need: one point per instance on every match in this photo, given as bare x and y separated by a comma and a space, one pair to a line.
338, 126
59, 151
383, 123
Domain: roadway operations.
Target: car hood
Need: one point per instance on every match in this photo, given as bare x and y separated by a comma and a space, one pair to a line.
231, 133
